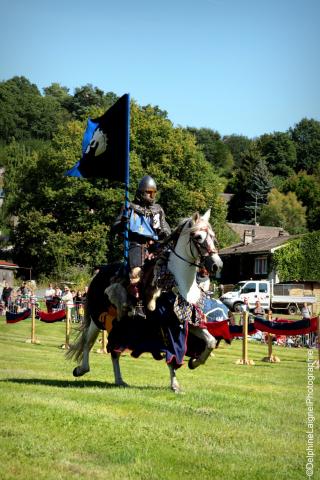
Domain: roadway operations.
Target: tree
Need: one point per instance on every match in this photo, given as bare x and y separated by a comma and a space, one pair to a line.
279, 152
14, 95
61, 95
25, 114
251, 184
284, 211
56, 91
259, 186
306, 136
88, 98
307, 189
300, 259
186, 181
238, 146
215, 150
53, 210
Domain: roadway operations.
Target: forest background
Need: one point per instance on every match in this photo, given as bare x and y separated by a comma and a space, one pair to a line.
60, 226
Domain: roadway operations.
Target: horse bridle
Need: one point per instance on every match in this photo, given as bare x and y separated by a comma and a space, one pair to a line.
198, 246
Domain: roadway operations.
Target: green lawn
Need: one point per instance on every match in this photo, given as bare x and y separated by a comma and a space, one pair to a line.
234, 421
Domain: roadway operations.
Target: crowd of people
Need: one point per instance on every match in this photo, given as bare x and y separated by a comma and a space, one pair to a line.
15, 299
57, 298
297, 341
18, 299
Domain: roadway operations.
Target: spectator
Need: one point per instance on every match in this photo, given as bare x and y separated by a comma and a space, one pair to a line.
78, 305
48, 295
203, 279
306, 315
85, 293
231, 318
281, 340
289, 342
67, 297
56, 300
297, 341
23, 290
258, 336
25, 295
58, 291
259, 310
78, 297
305, 311
6, 294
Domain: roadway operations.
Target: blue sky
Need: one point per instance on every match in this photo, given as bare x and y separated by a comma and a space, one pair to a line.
236, 66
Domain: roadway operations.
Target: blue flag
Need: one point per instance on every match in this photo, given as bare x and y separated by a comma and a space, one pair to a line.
105, 145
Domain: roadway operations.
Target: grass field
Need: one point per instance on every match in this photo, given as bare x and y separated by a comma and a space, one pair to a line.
234, 422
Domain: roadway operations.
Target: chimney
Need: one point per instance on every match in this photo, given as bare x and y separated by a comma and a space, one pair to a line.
248, 236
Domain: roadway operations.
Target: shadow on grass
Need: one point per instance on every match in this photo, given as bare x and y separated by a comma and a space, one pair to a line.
78, 384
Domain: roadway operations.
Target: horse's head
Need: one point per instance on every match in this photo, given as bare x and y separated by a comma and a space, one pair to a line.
203, 244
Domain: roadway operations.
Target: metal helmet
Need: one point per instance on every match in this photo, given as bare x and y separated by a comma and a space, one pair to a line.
147, 190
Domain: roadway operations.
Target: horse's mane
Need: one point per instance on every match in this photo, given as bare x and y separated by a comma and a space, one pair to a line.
174, 235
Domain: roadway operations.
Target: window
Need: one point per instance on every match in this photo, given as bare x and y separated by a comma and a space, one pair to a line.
250, 287
263, 287
260, 265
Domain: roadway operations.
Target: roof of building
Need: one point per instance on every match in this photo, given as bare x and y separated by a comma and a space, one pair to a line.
259, 231
8, 265
262, 245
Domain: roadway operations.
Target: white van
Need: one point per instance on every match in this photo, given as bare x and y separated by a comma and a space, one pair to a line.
270, 296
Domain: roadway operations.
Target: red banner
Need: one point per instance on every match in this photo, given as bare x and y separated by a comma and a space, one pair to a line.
51, 317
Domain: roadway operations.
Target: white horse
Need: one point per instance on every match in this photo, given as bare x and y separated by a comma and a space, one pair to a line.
194, 245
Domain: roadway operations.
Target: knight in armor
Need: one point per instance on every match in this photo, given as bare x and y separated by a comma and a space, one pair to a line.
146, 226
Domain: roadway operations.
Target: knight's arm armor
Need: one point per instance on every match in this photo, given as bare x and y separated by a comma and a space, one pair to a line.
164, 230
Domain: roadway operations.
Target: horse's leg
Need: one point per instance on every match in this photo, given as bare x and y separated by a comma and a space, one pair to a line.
210, 345
89, 337
174, 384
118, 380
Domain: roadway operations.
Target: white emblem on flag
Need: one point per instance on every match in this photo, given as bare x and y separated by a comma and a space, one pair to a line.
98, 143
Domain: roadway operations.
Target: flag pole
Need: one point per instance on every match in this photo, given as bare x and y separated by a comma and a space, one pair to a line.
127, 176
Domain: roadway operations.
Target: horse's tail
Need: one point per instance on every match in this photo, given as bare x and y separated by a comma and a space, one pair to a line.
75, 351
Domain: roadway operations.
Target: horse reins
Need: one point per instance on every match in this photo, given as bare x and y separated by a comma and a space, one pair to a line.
185, 260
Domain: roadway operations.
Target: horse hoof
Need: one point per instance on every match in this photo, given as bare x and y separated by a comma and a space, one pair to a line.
78, 372
193, 363
177, 390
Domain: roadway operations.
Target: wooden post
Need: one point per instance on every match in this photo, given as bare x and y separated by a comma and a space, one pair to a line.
245, 360
66, 345
33, 322
270, 358
103, 348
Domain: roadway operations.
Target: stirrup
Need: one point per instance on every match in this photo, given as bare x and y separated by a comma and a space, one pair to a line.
139, 311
